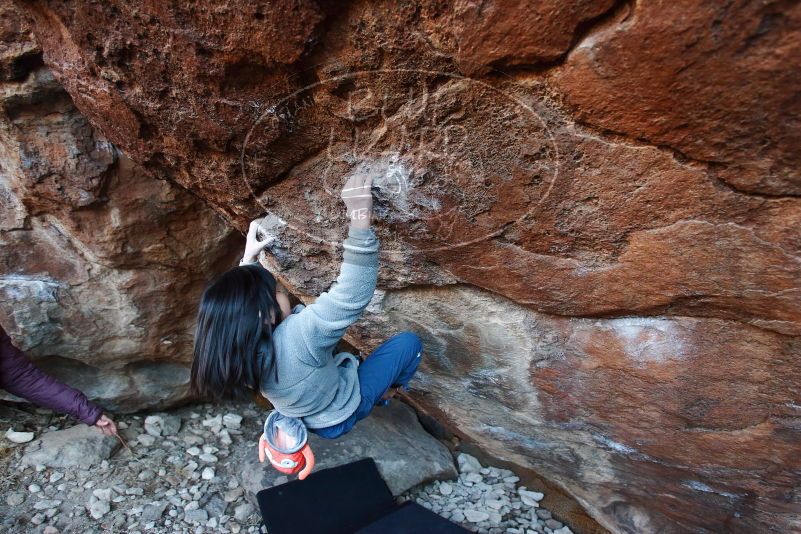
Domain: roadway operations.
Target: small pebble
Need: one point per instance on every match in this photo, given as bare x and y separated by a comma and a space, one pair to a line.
233, 494
232, 421
146, 440
45, 504
99, 508
474, 478
196, 516
15, 499
476, 516
243, 511
19, 437
553, 524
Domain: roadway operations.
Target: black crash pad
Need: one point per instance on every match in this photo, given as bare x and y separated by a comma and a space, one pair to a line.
411, 517
338, 500
347, 499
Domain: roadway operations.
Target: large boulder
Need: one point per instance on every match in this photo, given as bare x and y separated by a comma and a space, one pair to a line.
704, 409
406, 455
724, 93
597, 234
101, 264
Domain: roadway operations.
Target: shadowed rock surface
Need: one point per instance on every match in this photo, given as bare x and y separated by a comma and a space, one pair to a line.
101, 264
596, 234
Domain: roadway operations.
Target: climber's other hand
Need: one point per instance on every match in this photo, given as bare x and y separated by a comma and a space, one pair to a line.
254, 245
262, 445
358, 198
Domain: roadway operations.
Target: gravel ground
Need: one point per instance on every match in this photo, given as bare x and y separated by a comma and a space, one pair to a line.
487, 500
182, 482
185, 480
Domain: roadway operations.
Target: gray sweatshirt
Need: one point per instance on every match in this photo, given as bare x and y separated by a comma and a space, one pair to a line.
313, 383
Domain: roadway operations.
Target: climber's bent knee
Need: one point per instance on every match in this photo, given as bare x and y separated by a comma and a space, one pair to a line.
411, 340
392, 364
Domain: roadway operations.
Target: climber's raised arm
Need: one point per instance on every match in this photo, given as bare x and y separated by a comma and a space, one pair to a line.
323, 323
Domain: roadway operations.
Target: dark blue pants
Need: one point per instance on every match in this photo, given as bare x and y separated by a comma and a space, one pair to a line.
391, 364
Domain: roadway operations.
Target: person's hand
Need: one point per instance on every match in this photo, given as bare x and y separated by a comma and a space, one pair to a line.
252, 244
262, 445
358, 198
106, 426
282, 441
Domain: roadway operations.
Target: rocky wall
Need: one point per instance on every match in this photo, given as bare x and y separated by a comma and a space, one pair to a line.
101, 264
588, 210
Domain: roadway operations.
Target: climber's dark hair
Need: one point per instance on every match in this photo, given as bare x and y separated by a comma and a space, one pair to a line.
232, 343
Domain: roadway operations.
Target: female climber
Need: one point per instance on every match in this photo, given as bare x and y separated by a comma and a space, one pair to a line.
248, 338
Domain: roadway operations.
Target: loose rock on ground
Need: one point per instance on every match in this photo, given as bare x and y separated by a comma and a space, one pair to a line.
487, 500
73, 479
186, 479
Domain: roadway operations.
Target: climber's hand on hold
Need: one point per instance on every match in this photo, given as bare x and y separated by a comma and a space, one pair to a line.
253, 245
358, 198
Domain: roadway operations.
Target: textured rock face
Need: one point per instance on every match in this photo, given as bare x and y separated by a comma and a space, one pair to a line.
100, 264
723, 92
700, 410
609, 206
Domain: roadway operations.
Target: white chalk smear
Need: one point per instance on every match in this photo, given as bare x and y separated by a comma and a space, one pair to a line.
700, 486
649, 339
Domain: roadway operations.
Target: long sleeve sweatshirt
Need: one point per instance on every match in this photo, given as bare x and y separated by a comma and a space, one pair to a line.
20, 377
313, 383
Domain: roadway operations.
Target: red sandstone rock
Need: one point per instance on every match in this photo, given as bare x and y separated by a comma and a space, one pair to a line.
675, 424
630, 213
19, 51
101, 265
717, 82
487, 34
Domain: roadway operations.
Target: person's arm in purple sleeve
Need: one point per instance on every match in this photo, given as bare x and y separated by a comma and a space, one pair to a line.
19, 376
